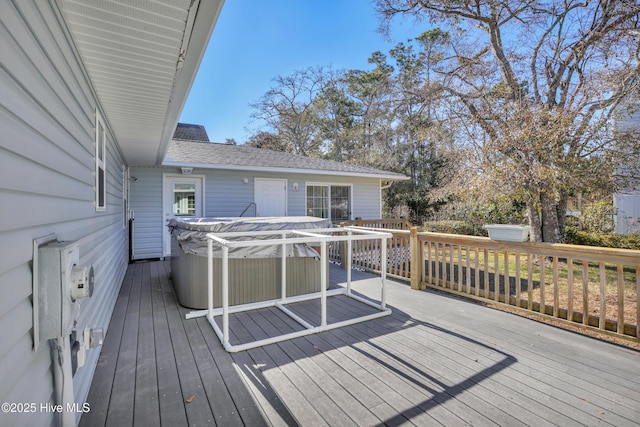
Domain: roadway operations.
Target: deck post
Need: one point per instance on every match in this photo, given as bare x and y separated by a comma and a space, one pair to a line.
416, 264
342, 249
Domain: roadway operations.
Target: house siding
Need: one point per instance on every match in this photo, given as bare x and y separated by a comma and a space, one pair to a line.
226, 195
627, 201
47, 180
146, 204
627, 217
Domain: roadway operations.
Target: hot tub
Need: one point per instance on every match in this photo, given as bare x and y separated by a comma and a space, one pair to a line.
254, 272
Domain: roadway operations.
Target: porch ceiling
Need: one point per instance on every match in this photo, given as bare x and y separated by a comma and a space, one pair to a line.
141, 57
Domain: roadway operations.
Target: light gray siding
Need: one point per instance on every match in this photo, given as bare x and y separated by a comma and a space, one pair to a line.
47, 180
627, 218
146, 203
627, 201
227, 195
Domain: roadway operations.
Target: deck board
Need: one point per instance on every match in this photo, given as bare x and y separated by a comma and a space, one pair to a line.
172, 411
438, 360
121, 406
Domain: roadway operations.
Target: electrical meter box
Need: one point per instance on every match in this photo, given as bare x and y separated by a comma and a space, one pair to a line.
61, 283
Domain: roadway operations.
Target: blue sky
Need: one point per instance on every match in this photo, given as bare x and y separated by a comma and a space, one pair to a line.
257, 40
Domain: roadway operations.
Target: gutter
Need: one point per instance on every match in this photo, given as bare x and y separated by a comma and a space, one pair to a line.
390, 177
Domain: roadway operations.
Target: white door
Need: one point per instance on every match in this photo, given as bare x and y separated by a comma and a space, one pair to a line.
182, 198
270, 197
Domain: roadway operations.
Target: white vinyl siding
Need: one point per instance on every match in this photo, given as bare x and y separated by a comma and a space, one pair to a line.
146, 206
47, 158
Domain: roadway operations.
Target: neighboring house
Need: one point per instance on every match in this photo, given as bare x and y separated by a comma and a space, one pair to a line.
627, 202
87, 89
220, 180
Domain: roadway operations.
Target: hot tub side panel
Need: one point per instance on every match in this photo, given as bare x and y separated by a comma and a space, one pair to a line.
250, 279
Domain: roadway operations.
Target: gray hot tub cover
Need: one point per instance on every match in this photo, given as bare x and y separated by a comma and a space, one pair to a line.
191, 234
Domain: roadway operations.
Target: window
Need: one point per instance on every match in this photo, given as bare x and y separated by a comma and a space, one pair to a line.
329, 201
101, 162
184, 199
317, 201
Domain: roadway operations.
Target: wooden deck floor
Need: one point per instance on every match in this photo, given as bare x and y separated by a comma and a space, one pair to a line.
437, 360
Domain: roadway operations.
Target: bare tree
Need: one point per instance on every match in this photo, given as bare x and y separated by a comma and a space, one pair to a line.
288, 110
535, 84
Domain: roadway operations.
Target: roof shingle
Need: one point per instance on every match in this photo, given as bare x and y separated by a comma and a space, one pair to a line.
191, 132
242, 157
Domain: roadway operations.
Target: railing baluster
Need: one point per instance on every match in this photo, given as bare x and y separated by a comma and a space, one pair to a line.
429, 268
518, 284
585, 292
496, 276
486, 273
603, 307
459, 268
452, 276
507, 280
570, 289
476, 263
620, 299
406, 256
530, 282
444, 265
468, 265
423, 279
437, 263
543, 300
556, 296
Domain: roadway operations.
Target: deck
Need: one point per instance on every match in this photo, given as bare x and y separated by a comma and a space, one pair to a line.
438, 360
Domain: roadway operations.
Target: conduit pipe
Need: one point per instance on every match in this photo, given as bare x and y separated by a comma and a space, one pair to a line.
323, 237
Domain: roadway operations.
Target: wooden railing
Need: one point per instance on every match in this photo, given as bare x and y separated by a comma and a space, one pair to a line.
366, 254
590, 287
387, 224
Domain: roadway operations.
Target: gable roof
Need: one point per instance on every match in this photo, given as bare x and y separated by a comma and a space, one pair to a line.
241, 157
191, 132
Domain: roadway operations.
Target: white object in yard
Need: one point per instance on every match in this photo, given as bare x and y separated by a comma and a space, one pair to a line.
509, 233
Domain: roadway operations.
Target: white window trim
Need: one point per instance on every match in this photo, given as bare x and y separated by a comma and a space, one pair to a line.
329, 185
101, 163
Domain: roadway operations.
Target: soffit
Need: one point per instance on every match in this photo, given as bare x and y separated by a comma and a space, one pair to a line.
141, 57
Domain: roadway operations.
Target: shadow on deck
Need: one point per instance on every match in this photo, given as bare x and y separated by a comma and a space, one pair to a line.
435, 360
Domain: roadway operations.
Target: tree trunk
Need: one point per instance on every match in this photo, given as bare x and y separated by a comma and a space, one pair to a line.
535, 221
561, 212
547, 217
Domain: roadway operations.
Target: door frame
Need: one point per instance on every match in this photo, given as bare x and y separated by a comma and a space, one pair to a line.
169, 177
286, 191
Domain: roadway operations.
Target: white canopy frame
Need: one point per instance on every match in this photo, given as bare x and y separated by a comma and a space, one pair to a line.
283, 238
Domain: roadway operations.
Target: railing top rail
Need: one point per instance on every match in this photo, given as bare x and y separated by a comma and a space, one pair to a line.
393, 231
590, 253
402, 222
